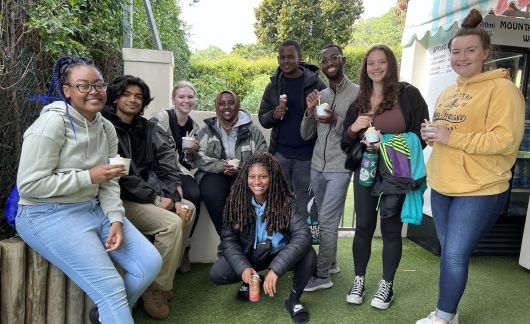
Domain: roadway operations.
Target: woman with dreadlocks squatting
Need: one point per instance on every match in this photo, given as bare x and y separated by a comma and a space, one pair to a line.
263, 230
70, 210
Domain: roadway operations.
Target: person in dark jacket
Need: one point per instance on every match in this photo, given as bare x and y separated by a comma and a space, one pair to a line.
229, 137
296, 80
149, 192
392, 108
263, 230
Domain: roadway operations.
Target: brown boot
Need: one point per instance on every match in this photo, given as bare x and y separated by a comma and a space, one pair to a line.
185, 265
168, 294
155, 302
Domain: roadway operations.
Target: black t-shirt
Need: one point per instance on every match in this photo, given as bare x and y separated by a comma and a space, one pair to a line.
289, 141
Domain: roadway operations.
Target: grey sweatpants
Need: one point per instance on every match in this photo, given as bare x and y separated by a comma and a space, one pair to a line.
330, 190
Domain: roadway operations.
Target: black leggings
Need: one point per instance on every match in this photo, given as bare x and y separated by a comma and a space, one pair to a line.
191, 192
221, 273
366, 221
215, 188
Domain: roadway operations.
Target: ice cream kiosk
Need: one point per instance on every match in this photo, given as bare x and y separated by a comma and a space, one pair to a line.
425, 63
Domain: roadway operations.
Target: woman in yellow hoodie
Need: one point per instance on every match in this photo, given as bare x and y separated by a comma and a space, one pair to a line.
477, 127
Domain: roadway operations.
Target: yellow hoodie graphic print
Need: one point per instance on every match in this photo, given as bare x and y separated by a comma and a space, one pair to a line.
486, 117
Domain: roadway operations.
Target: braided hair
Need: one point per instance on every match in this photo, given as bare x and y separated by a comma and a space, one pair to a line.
239, 211
60, 73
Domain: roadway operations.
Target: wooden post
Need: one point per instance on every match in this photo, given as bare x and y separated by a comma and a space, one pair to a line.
12, 303
88, 306
55, 304
37, 277
75, 303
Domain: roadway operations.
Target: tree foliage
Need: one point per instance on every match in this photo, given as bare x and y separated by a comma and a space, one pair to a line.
171, 29
386, 29
313, 23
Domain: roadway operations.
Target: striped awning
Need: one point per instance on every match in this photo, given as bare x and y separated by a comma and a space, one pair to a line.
432, 16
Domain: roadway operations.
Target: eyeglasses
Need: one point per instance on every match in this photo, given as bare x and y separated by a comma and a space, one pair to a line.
333, 59
87, 87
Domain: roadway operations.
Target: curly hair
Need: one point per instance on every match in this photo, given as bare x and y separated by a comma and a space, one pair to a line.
119, 85
391, 86
239, 211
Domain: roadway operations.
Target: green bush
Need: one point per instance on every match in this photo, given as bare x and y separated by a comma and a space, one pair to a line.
248, 78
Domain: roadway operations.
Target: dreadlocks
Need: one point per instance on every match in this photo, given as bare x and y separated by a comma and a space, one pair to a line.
239, 211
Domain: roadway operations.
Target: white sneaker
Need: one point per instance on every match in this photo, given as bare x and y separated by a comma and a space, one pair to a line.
432, 319
384, 295
356, 293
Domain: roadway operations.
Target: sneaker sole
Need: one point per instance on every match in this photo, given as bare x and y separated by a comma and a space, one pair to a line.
354, 299
322, 286
334, 270
381, 305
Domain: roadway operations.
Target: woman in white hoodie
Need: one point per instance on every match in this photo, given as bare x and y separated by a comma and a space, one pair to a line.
70, 210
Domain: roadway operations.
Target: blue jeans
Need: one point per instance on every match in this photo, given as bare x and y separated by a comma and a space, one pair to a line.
461, 222
72, 237
297, 173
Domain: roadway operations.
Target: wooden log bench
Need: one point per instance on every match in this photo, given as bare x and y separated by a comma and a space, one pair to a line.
34, 291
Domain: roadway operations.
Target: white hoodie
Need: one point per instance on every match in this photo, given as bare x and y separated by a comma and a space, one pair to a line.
54, 162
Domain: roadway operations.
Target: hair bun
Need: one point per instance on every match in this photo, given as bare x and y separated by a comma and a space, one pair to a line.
473, 19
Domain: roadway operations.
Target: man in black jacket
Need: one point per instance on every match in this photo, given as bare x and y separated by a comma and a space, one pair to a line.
150, 191
294, 79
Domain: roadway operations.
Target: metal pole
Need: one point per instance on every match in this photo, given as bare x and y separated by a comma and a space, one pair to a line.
152, 24
128, 23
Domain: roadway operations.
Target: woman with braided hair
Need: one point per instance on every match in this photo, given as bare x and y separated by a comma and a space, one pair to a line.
70, 210
263, 230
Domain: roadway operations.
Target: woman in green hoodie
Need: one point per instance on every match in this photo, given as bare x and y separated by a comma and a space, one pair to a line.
70, 210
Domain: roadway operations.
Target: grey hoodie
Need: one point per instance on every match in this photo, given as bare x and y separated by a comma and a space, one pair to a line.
55, 161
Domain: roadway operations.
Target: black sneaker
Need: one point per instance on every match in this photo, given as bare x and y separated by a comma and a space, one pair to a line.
93, 315
356, 293
384, 296
242, 294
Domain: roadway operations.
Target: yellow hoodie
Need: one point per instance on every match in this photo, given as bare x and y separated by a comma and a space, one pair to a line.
486, 118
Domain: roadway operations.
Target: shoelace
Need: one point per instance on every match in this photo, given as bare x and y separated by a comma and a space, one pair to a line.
384, 290
357, 288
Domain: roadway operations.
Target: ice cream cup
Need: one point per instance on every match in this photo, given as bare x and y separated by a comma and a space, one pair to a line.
120, 160
234, 163
187, 142
371, 135
321, 110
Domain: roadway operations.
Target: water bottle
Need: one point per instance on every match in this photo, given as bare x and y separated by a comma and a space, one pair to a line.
368, 167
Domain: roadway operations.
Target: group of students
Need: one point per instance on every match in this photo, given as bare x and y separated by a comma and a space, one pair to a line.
70, 193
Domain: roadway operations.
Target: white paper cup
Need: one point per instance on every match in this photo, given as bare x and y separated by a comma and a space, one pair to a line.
371, 136
120, 160
234, 163
321, 110
187, 142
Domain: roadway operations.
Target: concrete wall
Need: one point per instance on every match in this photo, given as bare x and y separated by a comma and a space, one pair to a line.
156, 69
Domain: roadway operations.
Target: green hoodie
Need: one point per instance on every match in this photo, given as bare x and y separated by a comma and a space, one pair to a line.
55, 161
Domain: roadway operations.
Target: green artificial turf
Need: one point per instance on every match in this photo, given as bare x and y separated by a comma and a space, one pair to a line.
498, 291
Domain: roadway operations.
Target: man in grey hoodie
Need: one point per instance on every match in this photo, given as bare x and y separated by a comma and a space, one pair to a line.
329, 177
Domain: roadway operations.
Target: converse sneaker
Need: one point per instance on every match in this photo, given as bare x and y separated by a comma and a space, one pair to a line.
334, 268
384, 296
356, 293
432, 319
316, 283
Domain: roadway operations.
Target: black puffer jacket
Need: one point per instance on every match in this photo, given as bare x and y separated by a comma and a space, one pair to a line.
236, 245
150, 175
275, 88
